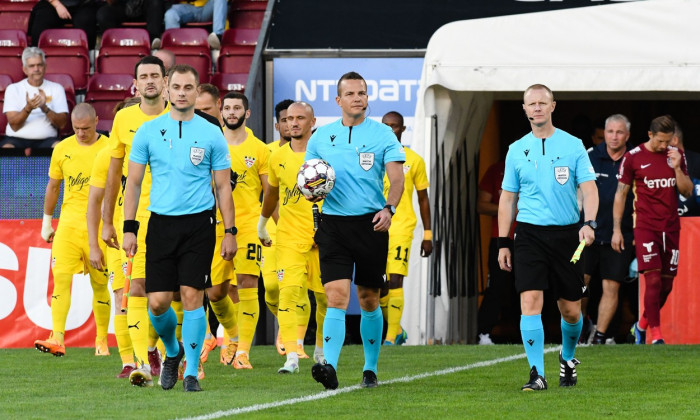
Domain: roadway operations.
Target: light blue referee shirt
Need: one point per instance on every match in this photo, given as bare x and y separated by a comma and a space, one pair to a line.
545, 173
358, 155
181, 155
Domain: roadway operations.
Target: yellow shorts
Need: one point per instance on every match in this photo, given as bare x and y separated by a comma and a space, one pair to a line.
249, 254
399, 253
71, 254
298, 265
221, 270
115, 267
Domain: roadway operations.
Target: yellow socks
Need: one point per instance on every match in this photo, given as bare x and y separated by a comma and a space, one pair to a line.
383, 304
177, 307
137, 318
248, 313
121, 331
101, 307
225, 313
60, 304
303, 313
395, 311
321, 306
287, 316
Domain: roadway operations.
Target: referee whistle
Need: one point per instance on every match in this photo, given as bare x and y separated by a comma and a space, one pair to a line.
317, 215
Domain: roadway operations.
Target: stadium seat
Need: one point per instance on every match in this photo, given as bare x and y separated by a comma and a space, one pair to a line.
191, 47
5, 81
240, 41
241, 17
15, 14
104, 91
67, 52
233, 63
67, 82
12, 43
228, 82
121, 49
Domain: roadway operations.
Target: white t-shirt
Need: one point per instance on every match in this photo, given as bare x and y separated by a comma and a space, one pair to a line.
37, 126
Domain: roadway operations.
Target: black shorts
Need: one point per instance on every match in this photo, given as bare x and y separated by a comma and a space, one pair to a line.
611, 265
542, 260
179, 251
347, 242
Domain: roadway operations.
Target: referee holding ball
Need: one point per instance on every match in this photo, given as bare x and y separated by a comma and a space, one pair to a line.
543, 170
182, 150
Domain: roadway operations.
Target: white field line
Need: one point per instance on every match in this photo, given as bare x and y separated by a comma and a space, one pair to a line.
327, 394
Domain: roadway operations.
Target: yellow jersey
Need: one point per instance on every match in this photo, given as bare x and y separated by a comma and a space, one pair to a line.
98, 179
404, 221
125, 124
72, 163
249, 161
296, 223
271, 225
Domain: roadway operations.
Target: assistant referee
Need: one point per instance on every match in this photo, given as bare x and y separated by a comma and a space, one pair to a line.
353, 231
543, 170
182, 150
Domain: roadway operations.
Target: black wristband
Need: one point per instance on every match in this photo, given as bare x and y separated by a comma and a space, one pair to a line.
131, 226
504, 242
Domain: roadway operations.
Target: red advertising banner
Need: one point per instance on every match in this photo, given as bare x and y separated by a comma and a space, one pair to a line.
26, 283
682, 309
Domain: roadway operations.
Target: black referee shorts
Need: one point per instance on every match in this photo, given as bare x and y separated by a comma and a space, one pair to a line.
601, 258
347, 242
542, 260
179, 251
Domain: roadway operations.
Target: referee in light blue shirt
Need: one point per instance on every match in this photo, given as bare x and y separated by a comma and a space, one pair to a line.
354, 227
182, 150
543, 170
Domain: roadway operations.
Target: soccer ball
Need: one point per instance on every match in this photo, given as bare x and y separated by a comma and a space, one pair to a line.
316, 178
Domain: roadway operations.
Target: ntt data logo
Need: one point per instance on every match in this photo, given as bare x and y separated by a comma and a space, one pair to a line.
387, 90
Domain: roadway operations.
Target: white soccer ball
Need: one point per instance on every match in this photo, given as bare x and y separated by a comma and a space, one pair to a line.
316, 178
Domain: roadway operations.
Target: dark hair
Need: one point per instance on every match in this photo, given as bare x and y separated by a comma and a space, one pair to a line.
183, 69
149, 59
662, 124
395, 114
283, 105
210, 89
351, 76
237, 95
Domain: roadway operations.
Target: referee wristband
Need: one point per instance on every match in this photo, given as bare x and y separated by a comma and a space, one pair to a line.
131, 226
427, 235
504, 242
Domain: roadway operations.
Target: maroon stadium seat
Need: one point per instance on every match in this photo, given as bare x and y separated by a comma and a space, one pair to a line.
15, 14
12, 43
240, 41
241, 18
104, 92
5, 81
233, 63
67, 82
121, 49
228, 82
191, 47
67, 52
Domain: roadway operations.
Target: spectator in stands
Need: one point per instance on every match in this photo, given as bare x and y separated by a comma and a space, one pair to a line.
54, 14
198, 11
598, 134
657, 173
688, 207
209, 101
115, 12
500, 295
36, 108
600, 257
167, 56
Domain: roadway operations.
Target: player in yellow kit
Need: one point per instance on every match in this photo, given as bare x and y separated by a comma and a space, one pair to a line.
401, 233
71, 163
298, 266
149, 80
102, 257
249, 157
268, 265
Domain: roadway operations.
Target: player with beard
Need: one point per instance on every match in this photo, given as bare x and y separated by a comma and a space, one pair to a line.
149, 79
249, 159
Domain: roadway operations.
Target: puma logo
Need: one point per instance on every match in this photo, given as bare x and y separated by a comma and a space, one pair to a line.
301, 307
55, 296
135, 325
252, 315
103, 303
396, 307
283, 310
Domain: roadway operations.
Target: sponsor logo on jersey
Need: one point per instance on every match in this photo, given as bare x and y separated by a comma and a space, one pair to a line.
660, 183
